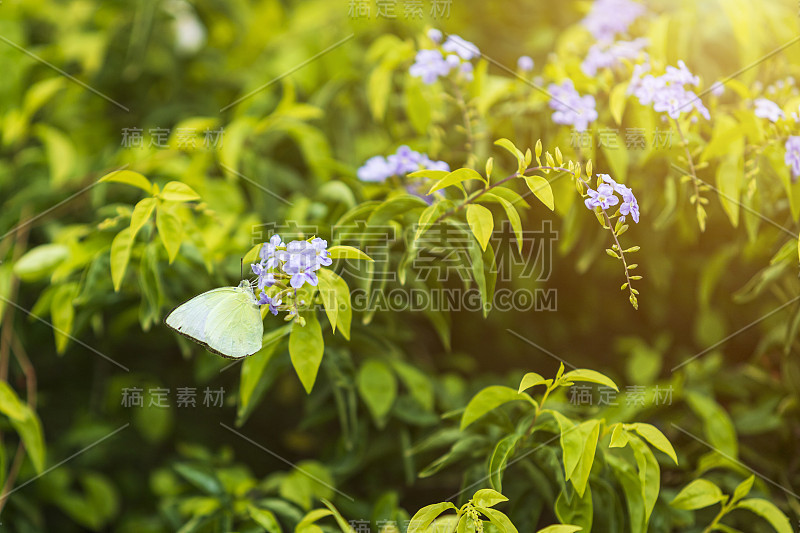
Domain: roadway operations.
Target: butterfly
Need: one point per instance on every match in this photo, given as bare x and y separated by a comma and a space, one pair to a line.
226, 321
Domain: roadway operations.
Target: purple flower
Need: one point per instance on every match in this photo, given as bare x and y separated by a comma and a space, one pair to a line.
404, 161
466, 70
768, 109
321, 247
667, 93
435, 35
603, 197
610, 55
302, 276
525, 63
570, 108
792, 156
465, 49
272, 302
429, 65
681, 75
717, 88
629, 207
607, 18
375, 169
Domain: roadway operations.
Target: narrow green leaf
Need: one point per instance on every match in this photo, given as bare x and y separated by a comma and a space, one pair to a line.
698, 494
424, 517
129, 178
170, 230
486, 400
769, 512
141, 214
347, 252
306, 348
654, 436
584, 374
120, 256
455, 177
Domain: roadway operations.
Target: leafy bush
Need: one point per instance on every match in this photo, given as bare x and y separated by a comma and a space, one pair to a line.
451, 343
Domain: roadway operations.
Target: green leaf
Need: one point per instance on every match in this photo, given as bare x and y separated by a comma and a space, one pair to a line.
591, 376
417, 105
176, 191
141, 214
531, 379
335, 296
455, 177
743, 489
649, 473
508, 145
417, 382
344, 525
311, 517
488, 498
481, 222
377, 385
499, 519
698, 494
62, 311
541, 188
170, 230
264, 518
486, 400
589, 433
29, 429
576, 509
769, 512
10, 404
717, 425
40, 261
129, 178
572, 444
347, 252
560, 528
654, 436
511, 214
619, 437
306, 348
120, 256
253, 367
730, 177
424, 517
429, 173
379, 85
201, 476
499, 459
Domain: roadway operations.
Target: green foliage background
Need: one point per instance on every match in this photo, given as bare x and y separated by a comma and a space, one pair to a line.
383, 416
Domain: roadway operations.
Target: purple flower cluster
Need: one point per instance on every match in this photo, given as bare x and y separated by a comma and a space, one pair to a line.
570, 107
792, 156
606, 54
667, 93
768, 109
604, 198
435, 63
297, 261
607, 18
405, 160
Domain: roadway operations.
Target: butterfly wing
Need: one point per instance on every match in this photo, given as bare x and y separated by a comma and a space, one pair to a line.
235, 328
226, 321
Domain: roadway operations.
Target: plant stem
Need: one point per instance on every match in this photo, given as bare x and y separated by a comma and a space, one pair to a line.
621, 253
690, 160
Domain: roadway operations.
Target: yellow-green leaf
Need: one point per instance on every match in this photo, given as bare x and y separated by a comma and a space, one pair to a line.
481, 223
584, 374
541, 188
347, 252
129, 177
120, 255
141, 214
175, 191
306, 348
170, 230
